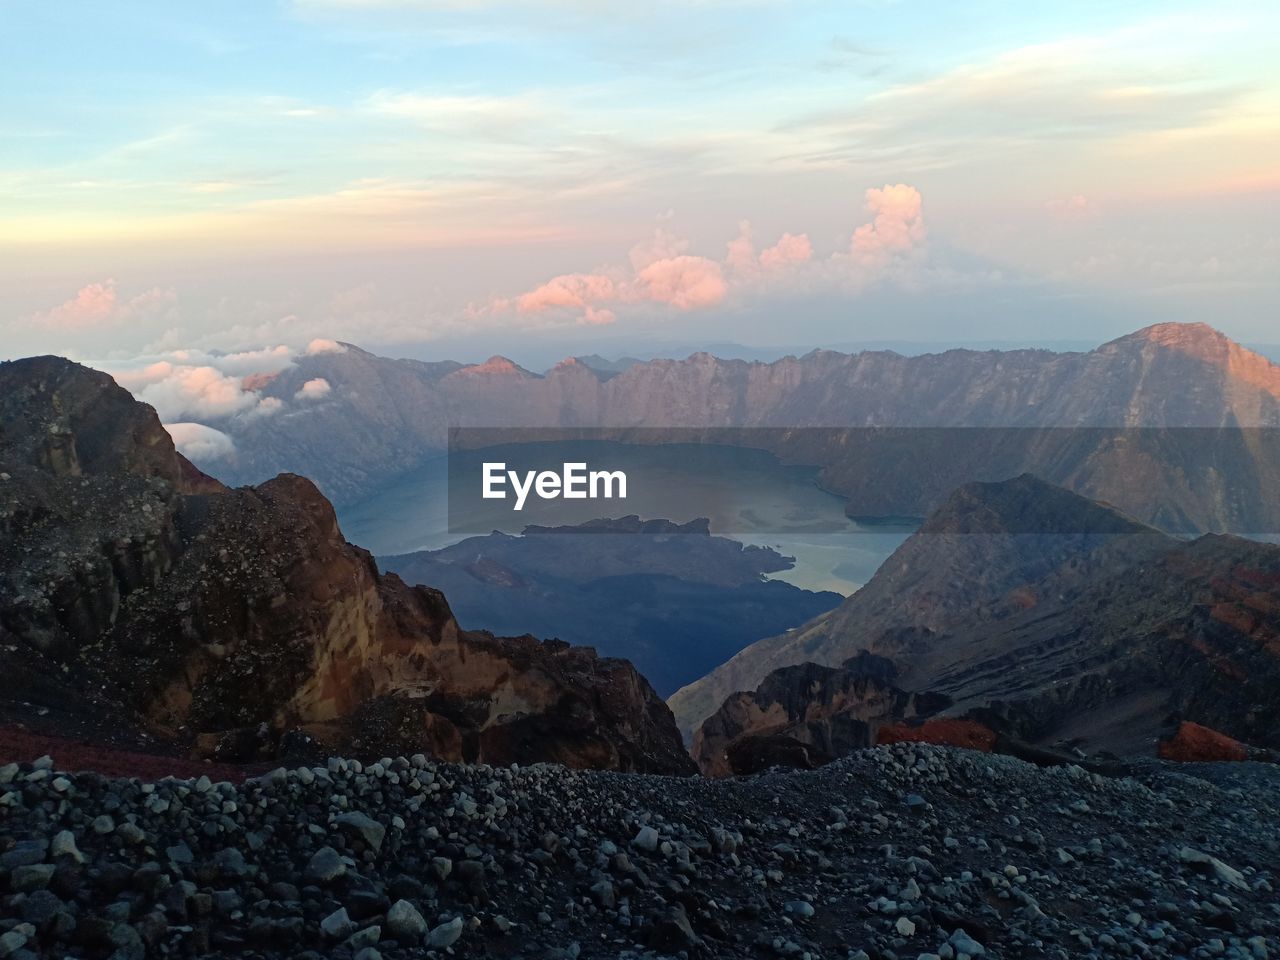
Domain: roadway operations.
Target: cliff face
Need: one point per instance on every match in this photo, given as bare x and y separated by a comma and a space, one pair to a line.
383, 416
135, 588
1099, 630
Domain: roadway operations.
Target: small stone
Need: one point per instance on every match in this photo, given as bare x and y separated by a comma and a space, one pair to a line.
179, 853
445, 935
325, 866
103, 825
441, 867
646, 839
603, 894
356, 824
12, 942
34, 876
905, 927
64, 845
404, 922
963, 943
337, 925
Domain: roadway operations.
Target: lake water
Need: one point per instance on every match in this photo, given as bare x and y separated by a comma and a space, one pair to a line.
746, 494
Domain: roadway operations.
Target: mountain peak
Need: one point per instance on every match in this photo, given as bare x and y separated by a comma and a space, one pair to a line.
1182, 335
1026, 504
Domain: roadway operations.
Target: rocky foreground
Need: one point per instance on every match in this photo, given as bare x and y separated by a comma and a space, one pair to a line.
908, 851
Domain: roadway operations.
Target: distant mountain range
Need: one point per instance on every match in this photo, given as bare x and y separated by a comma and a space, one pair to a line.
674, 600
382, 417
1100, 631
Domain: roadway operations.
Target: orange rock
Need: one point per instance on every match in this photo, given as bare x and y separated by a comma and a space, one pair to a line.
1193, 743
945, 732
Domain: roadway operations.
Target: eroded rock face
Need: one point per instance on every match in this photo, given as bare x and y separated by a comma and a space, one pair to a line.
134, 586
805, 715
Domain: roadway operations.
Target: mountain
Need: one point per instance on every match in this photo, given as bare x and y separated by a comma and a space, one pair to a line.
136, 592
1149, 422
1097, 631
672, 599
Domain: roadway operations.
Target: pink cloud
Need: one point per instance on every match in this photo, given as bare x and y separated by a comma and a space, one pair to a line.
790, 248
683, 282
663, 245
597, 316
898, 226
567, 290
97, 304
665, 274
742, 249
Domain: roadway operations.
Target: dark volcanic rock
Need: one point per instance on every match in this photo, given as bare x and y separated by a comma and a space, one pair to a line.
135, 591
806, 715
905, 851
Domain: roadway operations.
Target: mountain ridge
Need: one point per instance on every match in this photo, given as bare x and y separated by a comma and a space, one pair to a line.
384, 417
1053, 630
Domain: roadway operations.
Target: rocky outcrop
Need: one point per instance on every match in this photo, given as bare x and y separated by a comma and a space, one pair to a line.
133, 589
806, 715
1193, 743
384, 416
1094, 633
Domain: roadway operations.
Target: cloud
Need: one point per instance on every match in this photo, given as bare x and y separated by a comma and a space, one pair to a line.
790, 248
662, 245
898, 226
99, 304
741, 254
199, 442
316, 389
321, 345
598, 316
567, 290
198, 384
663, 273
267, 407
685, 283
178, 391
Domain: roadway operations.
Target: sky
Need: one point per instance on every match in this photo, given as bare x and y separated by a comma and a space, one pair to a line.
457, 177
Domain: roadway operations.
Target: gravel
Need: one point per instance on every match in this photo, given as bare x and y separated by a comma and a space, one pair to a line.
902, 852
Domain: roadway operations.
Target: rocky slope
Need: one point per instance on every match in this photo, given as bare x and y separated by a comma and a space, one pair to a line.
672, 599
384, 416
1098, 630
136, 592
906, 851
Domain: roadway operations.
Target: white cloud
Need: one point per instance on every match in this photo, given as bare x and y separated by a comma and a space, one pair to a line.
199, 442
322, 345
316, 389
